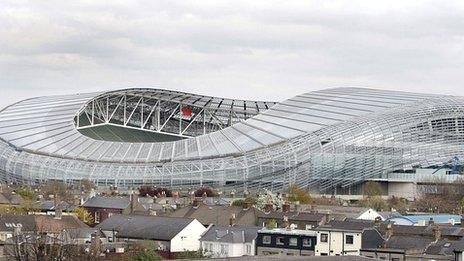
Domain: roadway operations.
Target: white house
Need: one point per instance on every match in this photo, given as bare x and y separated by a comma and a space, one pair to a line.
339, 238
170, 234
229, 241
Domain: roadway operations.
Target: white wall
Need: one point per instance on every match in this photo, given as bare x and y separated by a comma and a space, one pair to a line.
189, 238
370, 214
336, 243
233, 250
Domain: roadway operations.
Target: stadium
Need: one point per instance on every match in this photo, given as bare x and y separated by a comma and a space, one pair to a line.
331, 140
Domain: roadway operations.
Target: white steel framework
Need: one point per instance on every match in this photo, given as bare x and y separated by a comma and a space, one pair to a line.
326, 139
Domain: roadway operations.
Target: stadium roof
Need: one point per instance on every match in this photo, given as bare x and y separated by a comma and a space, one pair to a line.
46, 125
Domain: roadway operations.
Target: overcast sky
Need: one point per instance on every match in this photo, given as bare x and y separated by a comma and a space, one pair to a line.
267, 50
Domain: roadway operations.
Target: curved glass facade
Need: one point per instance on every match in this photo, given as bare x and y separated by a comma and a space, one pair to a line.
322, 139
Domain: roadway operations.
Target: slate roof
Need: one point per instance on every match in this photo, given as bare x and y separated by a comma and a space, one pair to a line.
371, 238
446, 230
145, 227
49, 205
292, 215
10, 198
347, 225
347, 211
230, 234
412, 242
443, 247
218, 215
120, 202
41, 223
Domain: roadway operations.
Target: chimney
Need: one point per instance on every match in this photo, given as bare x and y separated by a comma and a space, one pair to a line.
232, 220
246, 194
246, 205
286, 224
377, 221
268, 207
431, 222
133, 201
58, 212
197, 202
286, 207
16, 230
389, 230
326, 217
436, 232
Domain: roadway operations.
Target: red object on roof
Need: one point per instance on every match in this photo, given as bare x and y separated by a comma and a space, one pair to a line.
186, 111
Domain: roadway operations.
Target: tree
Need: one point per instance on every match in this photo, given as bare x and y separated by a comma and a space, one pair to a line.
87, 185
297, 194
268, 197
205, 190
58, 189
241, 202
372, 189
375, 202
271, 223
83, 215
27, 193
190, 255
154, 191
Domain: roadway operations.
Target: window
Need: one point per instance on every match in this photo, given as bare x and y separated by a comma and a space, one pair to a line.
395, 259
248, 249
306, 242
224, 249
280, 241
323, 254
324, 238
266, 239
293, 241
97, 217
349, 239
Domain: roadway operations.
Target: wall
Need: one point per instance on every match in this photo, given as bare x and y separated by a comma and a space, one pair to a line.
189, 238
336, 245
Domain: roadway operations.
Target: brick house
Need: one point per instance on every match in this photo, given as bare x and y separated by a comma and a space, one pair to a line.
103, 207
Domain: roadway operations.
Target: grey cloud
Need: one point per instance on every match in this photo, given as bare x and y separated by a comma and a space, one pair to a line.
259, 49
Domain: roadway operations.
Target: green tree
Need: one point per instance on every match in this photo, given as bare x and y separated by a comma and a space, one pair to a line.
190, 255
297, 194
146, 255
82, 214
271, 223
27, 193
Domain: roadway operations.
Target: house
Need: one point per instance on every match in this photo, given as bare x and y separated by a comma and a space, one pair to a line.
286, 242
345, 237
170, 234
103, 207
229, 241
424, 219
50, 225
432, 242
218, 215
296, 219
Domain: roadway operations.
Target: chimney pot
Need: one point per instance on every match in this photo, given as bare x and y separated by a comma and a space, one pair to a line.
436, 232
268, 207
286, 207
